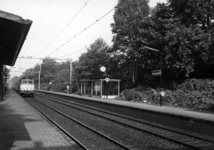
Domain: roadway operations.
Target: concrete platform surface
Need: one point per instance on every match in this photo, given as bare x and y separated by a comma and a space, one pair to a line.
170, 110
23, 128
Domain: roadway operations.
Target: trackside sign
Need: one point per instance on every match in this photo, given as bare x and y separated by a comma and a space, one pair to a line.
156, 73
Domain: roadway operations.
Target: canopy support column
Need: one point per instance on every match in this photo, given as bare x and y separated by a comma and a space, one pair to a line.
1, 81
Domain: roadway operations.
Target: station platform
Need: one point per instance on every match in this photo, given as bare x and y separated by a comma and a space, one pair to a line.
24, 128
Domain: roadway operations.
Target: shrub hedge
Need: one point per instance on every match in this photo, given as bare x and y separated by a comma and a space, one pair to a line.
195, 94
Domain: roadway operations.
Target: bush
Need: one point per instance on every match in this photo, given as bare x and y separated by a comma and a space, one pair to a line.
131, 94
145, 95
197, 85
196, 94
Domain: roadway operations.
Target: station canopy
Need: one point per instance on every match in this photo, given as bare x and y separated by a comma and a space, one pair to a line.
13, 31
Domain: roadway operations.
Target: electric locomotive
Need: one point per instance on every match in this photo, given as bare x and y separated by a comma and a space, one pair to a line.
26, 87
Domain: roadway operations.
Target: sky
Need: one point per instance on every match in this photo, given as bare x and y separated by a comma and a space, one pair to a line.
61, 29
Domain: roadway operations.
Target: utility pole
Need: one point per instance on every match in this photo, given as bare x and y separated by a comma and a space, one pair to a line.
70, 81
39, 76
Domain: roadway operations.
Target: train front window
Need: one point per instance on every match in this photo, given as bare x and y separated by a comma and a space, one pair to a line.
30, 82
24, 82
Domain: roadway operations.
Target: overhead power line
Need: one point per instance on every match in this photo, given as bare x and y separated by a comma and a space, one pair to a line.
22, 57
84, 30
38, 25
63, 28
81, 49
73, 52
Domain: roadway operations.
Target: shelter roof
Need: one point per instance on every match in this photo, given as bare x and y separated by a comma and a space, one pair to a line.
97, 80
13, 31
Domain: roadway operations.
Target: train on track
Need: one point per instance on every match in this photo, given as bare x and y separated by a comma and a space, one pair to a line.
25, 87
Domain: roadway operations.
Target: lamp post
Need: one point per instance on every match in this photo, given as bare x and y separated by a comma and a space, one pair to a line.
161, 92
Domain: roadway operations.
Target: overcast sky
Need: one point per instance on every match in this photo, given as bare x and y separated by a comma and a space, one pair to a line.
58, 27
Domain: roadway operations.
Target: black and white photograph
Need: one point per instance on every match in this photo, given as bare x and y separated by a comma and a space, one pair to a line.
106, 74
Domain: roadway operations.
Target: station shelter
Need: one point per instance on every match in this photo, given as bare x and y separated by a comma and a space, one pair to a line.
13, 32
101, 88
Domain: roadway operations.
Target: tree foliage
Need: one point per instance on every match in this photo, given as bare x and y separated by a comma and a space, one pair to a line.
53, 75
127, 36
89, 63
181, 30
190, 36
56, 76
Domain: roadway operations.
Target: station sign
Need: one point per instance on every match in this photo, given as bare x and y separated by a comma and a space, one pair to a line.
107, 79
156, 73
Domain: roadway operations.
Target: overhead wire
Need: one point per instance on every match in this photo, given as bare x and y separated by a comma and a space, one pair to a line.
80, 49
63, 28
38, 26
84, 29
73, 52
36, 58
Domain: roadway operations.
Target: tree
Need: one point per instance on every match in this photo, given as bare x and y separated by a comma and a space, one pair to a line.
181, 30
15, 82
90, 62
127, 39
190, 37
193, 12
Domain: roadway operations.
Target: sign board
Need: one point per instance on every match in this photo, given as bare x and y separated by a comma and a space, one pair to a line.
156, 72
107, 79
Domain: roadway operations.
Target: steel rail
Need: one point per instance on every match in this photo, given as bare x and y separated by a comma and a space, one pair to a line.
97, 132
139, 121
56, 124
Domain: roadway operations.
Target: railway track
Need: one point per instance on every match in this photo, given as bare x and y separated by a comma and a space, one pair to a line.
187, 139
85, 136
100, 144
134, 126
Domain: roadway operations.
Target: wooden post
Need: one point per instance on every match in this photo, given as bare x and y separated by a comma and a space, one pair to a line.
96, 88
92, 91
101, 88
81, 88
118, 88
84, 87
